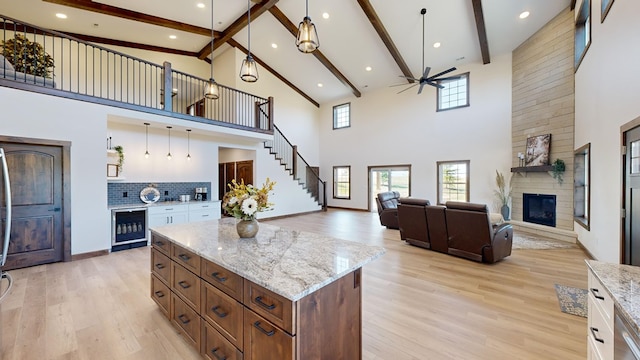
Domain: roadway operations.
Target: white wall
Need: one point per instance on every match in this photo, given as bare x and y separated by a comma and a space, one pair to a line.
392, 129
607, 89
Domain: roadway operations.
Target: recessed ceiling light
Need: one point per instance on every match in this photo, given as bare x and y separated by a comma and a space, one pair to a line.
200, 5
368, 68
274, 45
436, 45
325, 15
320, 85
524, 15
61, 16
172, 37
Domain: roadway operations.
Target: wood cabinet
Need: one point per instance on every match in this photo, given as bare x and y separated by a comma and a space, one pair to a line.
226, 316
600, 321
238, 170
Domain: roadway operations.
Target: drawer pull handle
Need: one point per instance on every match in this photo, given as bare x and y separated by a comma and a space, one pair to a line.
215, 353
159, 243
184, 257
263, 304
595, 337
183, 284
216, 276
159, 294
220, 314
268, 333
595, 293
159, 266
184, 319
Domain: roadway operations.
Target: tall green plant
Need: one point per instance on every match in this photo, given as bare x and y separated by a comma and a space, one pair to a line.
27, 56
503, 193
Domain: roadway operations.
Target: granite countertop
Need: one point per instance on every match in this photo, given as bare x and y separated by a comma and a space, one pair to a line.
288, 262
623, 284
158, 203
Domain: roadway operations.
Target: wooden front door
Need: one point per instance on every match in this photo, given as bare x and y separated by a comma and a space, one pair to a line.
37, 226
244, 171
631, 249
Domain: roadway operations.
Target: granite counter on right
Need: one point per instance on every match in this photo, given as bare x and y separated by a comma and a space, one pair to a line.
613, 289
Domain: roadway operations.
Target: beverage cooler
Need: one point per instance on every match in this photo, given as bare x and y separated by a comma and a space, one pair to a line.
128, 228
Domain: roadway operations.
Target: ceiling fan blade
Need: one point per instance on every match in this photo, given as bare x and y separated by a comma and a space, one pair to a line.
409, 78
421, 86
426, 72
435, 85
394, 85
442, 73
410, 87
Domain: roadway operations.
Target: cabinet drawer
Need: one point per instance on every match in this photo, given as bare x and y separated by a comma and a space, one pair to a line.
272, 306
187, 319
223, 312
167, 209
161, 265
187, 284
162, 244
216, 347
161, 294
601, 299
211, 206
222, 278
186, 258
599, 333
265, 341
201, 215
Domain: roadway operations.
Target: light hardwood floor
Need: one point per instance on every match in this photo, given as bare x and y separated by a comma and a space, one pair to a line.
417, 304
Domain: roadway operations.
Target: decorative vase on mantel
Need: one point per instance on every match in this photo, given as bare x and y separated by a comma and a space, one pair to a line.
504, 210
247, 228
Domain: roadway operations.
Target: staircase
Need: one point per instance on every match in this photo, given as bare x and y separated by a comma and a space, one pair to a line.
307, 176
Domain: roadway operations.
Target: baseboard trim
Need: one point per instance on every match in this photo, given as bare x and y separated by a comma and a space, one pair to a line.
88, 255
290, 215
347, 208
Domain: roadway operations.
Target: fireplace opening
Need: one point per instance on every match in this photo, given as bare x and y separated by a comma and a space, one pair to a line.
539, 209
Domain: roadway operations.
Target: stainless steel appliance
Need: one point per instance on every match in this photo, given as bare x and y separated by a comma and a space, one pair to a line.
7, 226
201, 194
128, 228
626, 341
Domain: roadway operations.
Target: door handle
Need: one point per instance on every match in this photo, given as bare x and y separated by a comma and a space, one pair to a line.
55, 209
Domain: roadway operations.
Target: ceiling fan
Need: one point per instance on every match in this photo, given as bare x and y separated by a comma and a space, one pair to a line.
426, 79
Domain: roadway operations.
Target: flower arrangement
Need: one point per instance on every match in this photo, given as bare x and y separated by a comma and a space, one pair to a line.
245, 201
504, 189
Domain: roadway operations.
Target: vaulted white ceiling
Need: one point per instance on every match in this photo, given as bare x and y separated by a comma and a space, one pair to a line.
347, 38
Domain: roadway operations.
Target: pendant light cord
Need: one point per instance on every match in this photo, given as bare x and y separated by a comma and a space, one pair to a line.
307, 14
212, 37
423, 12
249, 25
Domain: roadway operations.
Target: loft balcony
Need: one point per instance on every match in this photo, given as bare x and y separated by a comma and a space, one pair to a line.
88, 72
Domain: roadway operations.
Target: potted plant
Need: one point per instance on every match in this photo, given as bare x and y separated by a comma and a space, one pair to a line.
27, 56
120, 150
244, 202
558, 170
503, 193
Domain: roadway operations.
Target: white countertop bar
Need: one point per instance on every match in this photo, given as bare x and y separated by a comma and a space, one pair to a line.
288, 262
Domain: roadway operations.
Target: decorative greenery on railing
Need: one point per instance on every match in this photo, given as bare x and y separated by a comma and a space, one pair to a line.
27, 56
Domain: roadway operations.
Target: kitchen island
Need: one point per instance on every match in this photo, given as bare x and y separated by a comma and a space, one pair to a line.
285, 294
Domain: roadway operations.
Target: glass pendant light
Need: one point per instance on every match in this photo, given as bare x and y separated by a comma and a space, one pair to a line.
146, 153
169, 153
211, 91
249, 69
188, 145
307, 39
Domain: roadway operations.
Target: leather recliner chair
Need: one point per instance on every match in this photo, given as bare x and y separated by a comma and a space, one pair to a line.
471, 234
388, 208
437, 228
412, 219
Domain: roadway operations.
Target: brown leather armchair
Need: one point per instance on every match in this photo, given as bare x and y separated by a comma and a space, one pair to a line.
388, 208
437, 228
412, 219
472, 236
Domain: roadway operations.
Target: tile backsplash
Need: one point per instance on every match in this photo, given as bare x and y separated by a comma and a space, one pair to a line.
169, 191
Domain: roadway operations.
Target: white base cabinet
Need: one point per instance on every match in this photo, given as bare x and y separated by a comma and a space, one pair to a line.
161, 215
600, 321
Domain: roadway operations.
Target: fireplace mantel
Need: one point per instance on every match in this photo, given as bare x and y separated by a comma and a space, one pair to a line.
540, 168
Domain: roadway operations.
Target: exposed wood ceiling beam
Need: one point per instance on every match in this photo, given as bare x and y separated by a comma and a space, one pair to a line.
573, 4
385, 37
107, 41
236, 26
272, 71
293, 29
132, 15
482, 31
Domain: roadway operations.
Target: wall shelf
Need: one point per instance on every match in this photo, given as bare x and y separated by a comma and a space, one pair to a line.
541, 168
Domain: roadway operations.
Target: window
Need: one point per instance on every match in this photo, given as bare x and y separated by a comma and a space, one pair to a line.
453, 181
583, 32
604, 9
455, 93
581, 185
341, 116
388, 178
342, 182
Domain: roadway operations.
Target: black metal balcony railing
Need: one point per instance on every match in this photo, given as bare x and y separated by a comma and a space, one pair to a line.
89, 72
